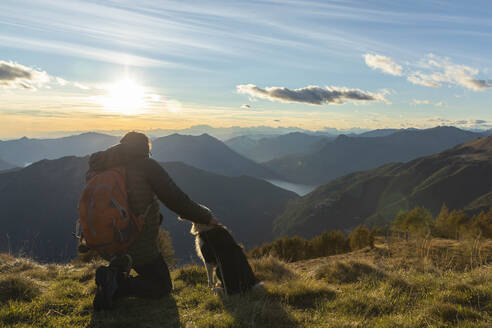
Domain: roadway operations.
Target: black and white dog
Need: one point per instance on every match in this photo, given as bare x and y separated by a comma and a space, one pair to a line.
220, 253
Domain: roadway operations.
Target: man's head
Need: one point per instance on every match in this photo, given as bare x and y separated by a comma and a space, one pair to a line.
137, 143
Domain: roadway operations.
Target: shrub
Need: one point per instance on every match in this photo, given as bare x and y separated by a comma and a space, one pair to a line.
417, 222
361, 237
329, 243
164, 242
291, 249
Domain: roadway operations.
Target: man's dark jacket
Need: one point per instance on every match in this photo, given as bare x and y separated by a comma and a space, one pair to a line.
147, 181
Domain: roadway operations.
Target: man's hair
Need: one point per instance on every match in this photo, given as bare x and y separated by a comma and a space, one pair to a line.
137, 143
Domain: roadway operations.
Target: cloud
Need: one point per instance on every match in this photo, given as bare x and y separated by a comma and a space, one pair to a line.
61, 81
441, 104
441, 71
312, 95
420, 102
245, 106
80, 86
461, 123
431, 71
14, 75
383, 63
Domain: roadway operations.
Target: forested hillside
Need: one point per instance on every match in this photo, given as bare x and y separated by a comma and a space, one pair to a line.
460, 177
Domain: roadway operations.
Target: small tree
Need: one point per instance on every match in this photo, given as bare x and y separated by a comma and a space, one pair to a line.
399, 225
164, 242
481, 224
360, 238
419, 221
456, 221
329, 243
442, 226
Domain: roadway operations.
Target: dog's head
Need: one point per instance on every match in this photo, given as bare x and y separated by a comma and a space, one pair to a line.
196, 228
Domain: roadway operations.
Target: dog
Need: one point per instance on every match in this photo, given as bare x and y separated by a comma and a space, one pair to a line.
222, 255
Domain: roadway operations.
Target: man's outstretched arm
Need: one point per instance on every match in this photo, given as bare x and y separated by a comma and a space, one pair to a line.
173, 197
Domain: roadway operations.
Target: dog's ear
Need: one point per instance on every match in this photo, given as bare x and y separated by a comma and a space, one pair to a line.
194, 229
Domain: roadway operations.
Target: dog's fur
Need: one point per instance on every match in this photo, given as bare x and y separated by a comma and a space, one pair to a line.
220, 253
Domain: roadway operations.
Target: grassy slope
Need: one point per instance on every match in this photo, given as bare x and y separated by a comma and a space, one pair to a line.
393, 285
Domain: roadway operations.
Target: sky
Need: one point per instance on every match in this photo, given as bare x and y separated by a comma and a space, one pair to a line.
124, 65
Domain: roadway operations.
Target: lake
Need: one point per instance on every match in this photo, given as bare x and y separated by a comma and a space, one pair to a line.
299, 189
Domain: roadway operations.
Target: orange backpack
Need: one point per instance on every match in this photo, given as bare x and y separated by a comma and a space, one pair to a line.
108, 225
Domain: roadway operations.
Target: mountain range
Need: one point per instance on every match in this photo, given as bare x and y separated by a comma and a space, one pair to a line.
351, 154
39, 206
269, 148
207, 153
460, 177
23, 151
204, 151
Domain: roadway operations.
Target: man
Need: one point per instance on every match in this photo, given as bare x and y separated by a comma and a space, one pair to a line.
146, 182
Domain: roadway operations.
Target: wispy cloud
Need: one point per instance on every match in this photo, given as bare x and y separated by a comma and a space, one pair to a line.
420, 102
440, 71
14, 75
432, 71
312, 95
475, 123
383, 63
245, 106
80, 51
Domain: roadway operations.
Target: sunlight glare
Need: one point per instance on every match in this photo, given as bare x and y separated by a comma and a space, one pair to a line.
125, 97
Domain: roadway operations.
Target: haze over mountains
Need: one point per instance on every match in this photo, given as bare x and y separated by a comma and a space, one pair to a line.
39, 206
202, 151
350, 154
221, 133
5, 165
460, 177
268, 148
21, 152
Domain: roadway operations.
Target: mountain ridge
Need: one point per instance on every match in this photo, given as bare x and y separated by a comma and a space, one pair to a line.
351, 154
266, 149
207, 153
460, 177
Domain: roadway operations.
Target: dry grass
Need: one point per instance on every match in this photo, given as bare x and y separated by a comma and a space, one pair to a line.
393, 285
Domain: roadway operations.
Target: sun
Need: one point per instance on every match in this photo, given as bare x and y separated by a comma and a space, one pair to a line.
125, 96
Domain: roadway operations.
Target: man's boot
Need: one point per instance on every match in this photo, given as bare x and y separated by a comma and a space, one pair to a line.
106, 287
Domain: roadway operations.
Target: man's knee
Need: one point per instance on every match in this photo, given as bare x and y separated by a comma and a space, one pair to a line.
158, 276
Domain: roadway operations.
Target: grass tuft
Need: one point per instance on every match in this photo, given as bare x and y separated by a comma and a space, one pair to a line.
192, 275
348, 272
17, 288
302, 294
450, 313
271, 269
